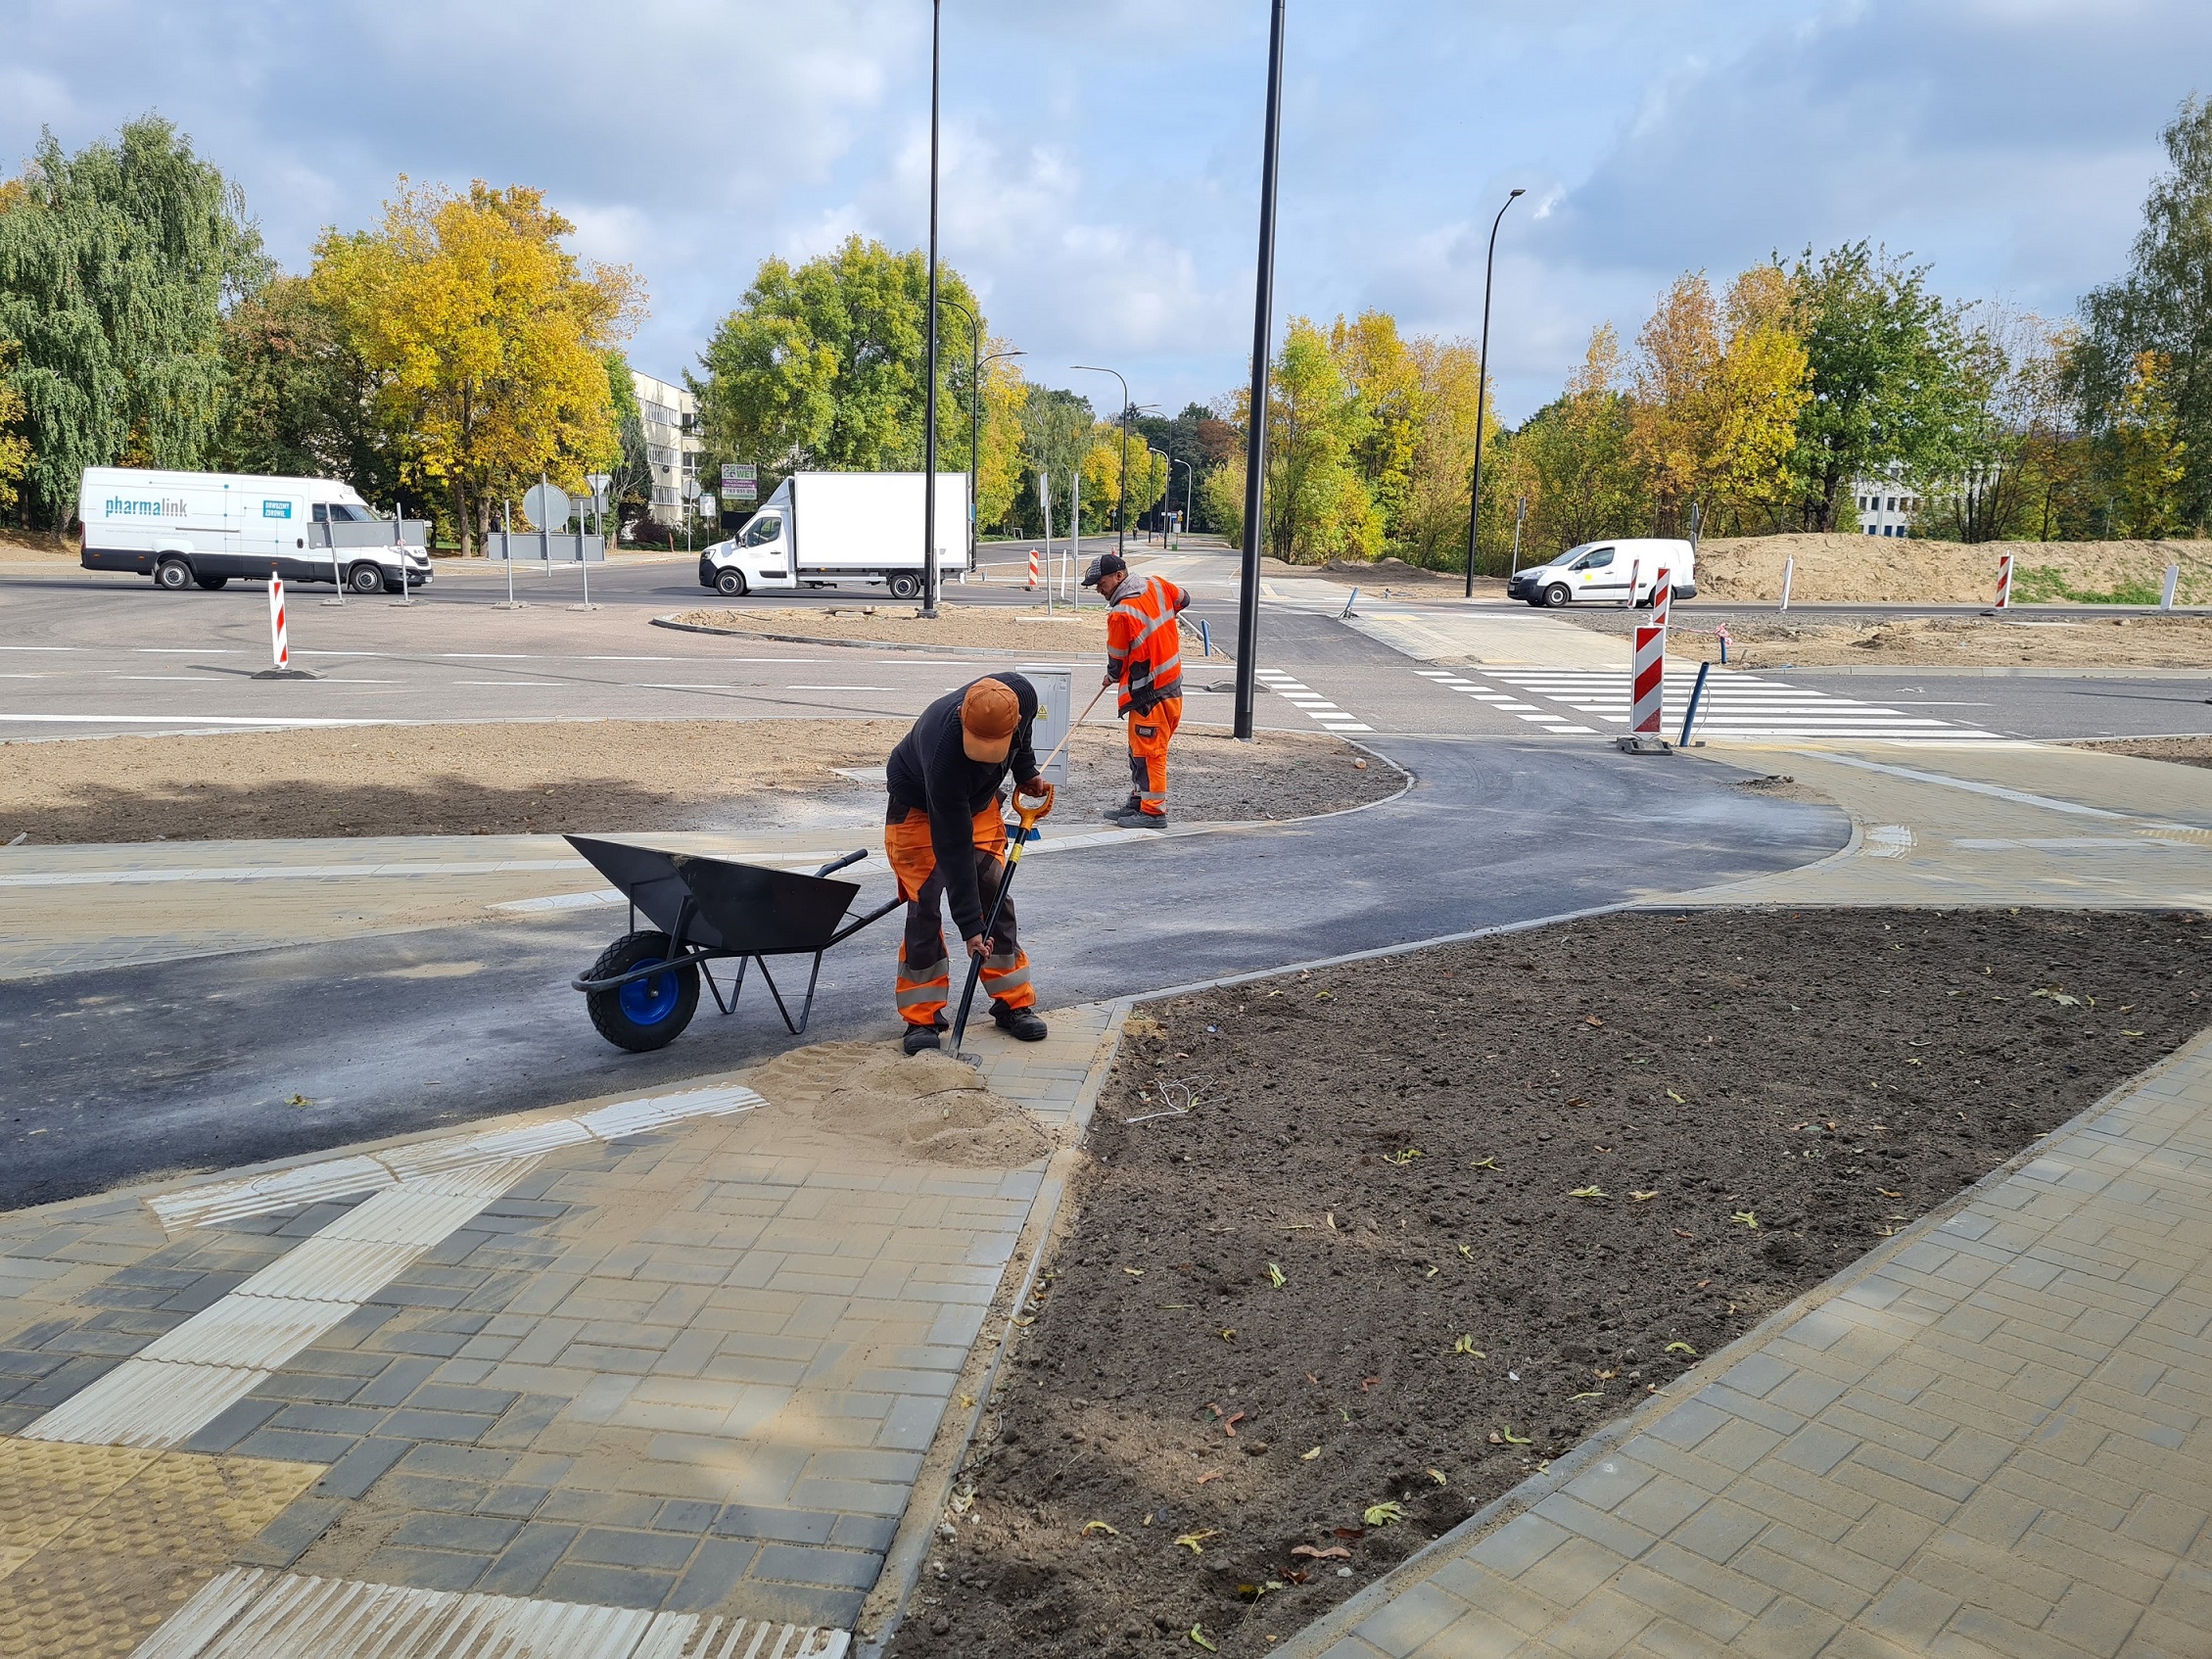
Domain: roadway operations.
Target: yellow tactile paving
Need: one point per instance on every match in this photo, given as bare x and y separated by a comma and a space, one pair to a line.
99, 1544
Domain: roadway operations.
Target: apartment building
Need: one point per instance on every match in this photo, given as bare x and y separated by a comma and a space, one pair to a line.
1887, 505
672, 442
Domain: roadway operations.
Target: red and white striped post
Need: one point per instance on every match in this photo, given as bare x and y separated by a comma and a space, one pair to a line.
1662, 596
279, 646
1649, 685
2004, 581
1035, 570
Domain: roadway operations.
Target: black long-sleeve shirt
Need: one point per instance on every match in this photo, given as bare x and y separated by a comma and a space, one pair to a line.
930, 769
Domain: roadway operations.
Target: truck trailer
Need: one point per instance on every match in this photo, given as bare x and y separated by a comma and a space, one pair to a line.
821, 529
187, 529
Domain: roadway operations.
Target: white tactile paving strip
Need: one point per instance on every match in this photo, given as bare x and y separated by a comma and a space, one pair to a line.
1315, 706
250, 1613
1735, 705
419, 1194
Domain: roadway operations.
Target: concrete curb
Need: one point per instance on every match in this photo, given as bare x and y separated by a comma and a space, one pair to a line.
1338, 1624
979, 652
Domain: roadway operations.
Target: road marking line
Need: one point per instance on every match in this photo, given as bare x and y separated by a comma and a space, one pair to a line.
179, 720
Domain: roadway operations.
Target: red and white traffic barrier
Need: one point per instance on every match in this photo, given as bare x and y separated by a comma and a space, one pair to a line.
1649, 684
278, 645
2004, 581
1035, 569
1662, 596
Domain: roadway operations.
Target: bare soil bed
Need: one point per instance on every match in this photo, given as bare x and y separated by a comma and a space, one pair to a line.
1790, 639
1863, 569
42, 546
2186, 751
604, 777
1430, 1220
996, 628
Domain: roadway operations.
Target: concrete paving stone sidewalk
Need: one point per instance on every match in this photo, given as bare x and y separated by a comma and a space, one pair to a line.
1993, 1437
690, 1373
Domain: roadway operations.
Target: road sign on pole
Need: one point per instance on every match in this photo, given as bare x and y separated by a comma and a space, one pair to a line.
547, 505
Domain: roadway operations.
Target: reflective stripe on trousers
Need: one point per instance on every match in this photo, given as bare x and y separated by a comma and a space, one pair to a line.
924, 979
1149, 734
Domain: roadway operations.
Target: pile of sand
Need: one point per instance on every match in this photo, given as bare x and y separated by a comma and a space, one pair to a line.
1797, 640
1860, 569
927, 1107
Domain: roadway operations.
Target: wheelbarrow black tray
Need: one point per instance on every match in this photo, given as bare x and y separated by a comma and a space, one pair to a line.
714, 908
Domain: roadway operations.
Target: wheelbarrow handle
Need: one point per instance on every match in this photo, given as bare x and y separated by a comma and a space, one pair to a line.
841, 862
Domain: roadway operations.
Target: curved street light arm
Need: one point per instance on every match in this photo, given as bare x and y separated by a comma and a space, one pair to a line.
1121, 509
1482, 387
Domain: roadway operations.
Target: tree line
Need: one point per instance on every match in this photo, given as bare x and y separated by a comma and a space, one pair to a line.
448, 356
456, 350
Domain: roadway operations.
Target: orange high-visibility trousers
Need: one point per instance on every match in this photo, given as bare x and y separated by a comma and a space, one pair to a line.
924, 971
1149, 736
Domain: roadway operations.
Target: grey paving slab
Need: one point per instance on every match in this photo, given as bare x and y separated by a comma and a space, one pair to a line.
1991, 1439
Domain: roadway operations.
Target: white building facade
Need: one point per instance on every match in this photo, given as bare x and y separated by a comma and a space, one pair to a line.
672, 444
1887, 505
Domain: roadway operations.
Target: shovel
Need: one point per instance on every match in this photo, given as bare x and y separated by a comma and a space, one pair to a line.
1029, 812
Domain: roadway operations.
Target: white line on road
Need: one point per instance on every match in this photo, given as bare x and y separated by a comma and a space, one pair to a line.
839, 688
182, 719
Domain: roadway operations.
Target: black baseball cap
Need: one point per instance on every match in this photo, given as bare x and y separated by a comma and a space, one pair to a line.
1106, 564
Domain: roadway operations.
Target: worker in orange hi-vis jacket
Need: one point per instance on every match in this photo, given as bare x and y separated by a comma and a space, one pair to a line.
947, 842
1143, 657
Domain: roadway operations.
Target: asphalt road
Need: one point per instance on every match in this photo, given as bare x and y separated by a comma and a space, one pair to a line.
196, 1064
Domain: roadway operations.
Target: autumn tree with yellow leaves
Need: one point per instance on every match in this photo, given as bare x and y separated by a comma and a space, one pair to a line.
485, 338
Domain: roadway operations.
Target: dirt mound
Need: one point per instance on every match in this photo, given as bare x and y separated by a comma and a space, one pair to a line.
930, 1107
1799, 639
1390, 570
1846, 569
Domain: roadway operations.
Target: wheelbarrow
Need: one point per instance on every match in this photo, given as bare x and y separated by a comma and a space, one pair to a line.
645, 987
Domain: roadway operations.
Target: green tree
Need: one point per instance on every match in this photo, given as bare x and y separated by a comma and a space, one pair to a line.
116, 266
2163, 305
300, 400
1890, 376
821, 368
1318, 506
631, 489
1577, 452
15, 448
1386, 373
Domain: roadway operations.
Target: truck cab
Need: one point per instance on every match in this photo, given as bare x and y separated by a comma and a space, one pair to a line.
759, 556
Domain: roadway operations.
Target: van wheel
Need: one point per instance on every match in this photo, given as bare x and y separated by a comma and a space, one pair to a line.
365, 579
1557, 594
904, 585
173, 574
731, 584
646, 1014
213, 583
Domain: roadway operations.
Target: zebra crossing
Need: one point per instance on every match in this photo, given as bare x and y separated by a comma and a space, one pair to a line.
1735, 704
1316, 706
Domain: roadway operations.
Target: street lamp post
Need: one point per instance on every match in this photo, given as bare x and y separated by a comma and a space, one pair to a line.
1481, 386
929, 415
1169, 469
1121, 511
975, 363
1255, 424
1190, 480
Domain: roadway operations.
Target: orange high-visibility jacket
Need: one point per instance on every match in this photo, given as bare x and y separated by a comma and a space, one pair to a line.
1143, 644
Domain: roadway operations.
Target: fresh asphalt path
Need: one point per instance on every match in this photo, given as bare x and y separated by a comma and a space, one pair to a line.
199, 1063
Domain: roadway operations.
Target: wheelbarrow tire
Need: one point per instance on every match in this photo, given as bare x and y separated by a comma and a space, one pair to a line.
649, 1013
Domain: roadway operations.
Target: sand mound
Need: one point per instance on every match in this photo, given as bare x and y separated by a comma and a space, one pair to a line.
930, 1107
1873, 569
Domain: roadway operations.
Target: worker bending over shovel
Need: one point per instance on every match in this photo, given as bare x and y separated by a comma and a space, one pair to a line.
1144, 657
945, 836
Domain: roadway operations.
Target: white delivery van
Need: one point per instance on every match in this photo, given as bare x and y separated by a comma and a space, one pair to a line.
186, 527
1601, 571
821, 528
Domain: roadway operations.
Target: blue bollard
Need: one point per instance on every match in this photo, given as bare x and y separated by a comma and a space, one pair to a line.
1205, 638
1696, 695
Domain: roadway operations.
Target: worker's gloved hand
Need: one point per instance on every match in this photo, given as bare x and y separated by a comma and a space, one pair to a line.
1109, 681
1036, 789
979, 946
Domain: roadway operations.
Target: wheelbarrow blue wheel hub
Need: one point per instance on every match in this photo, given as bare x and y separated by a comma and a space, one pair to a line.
652, 999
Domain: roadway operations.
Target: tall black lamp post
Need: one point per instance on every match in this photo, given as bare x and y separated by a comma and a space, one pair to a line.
1255, 424
1481, 386
929, 416
975, 363
1121, 511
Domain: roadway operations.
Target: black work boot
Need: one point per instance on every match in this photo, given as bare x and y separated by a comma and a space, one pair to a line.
1020, 1023
1136, 818
919, 1038
1113, 814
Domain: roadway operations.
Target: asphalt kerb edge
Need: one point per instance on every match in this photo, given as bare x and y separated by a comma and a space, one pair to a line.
1339, 1622
886, 1605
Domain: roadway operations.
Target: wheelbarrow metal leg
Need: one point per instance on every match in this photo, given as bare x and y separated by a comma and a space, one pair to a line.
806, 1008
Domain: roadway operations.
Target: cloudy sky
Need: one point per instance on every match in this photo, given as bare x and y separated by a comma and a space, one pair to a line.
1102, 158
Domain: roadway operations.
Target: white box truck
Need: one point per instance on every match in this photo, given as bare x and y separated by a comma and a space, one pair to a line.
821, 528
1601, 572
204, 528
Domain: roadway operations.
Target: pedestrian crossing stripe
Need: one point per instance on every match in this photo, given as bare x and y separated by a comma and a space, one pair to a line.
1735, 704
1301, 696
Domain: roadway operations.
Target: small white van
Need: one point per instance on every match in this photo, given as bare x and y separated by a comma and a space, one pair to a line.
1603, 571
204, 528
